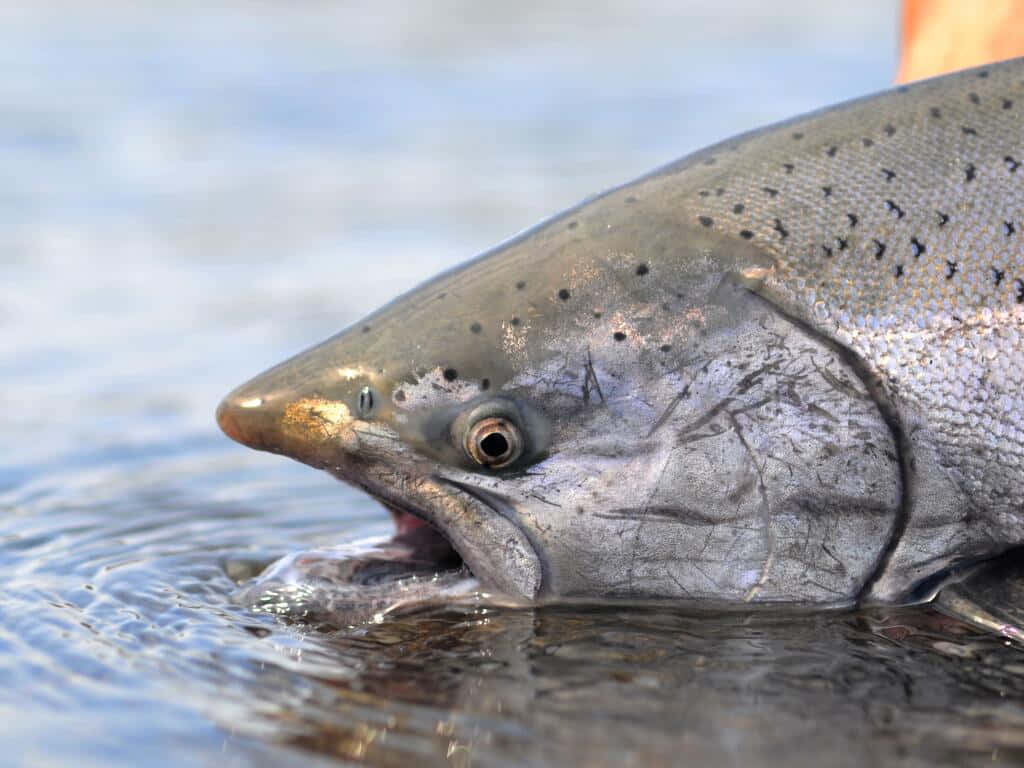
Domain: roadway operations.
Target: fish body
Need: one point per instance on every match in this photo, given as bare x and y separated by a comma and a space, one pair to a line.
787, 368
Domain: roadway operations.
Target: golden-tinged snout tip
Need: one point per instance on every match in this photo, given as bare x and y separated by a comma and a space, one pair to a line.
242, 419
228, 422
279, 425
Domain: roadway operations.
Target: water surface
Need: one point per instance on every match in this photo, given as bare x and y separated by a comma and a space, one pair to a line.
189, 195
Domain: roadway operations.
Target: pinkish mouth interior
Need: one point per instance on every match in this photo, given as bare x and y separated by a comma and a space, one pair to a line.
423, 539
405, 522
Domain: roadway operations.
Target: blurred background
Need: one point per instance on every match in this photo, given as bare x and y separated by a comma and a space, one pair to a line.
192, 191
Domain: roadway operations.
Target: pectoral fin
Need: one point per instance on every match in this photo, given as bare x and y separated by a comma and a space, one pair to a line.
990, 596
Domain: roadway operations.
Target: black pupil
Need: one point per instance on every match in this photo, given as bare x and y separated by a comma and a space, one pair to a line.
494, 445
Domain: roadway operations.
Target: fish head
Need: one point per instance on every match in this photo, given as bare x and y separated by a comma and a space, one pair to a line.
597, 408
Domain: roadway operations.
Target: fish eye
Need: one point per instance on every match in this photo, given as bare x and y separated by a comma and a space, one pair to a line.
365, 401
494, 442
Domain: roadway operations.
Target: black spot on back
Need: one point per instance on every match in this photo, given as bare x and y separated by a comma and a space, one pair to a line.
485, 384
973, 98
619, 336
597, 315
789, 167
642, 269
853, 219
738, 208
563, 294
935, 112
475, 328
665, 347
706, 221
968, 131
515, 321
827, 191
867, 142
450, 374
831, 151
746, 234
520, 285
1007, 103
400, 396
970, 172
783, 232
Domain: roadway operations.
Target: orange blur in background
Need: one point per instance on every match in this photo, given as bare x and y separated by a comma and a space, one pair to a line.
945, 35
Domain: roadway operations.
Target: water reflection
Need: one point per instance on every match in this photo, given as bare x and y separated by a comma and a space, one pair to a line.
640, 687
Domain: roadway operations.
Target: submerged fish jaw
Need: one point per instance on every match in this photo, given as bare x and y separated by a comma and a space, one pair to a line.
471, 526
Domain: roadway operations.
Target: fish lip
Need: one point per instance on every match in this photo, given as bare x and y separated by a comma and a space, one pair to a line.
501, 507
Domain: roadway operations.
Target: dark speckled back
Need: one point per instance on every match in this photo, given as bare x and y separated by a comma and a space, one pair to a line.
897, 227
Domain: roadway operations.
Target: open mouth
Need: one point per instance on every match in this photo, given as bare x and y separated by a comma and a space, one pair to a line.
361, 581
443, 524
427, 547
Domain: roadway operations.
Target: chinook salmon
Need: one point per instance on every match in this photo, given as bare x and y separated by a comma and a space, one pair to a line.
787, 368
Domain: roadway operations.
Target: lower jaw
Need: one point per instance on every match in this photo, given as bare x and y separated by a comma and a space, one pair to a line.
513, 570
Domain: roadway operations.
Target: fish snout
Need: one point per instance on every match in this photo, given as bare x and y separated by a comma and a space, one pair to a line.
246, 420
314, 430
229, 424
